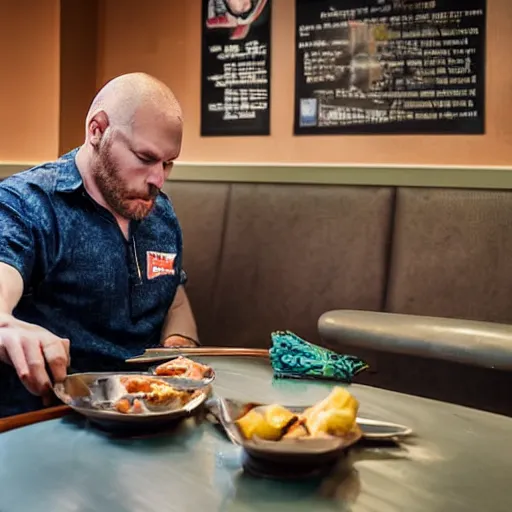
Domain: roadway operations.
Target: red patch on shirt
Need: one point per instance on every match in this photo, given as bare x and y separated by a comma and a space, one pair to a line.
160, 264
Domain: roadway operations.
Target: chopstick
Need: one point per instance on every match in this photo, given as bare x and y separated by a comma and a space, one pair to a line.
155, 354
29, 418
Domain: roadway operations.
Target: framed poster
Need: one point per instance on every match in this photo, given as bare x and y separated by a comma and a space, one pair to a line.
235, 67
390, 67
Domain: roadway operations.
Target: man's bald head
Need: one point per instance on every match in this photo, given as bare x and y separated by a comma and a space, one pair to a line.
133, 136
124, 96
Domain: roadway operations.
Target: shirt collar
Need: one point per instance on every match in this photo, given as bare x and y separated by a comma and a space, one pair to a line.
69, 178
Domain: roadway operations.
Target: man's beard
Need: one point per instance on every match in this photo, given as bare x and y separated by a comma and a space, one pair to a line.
116, 192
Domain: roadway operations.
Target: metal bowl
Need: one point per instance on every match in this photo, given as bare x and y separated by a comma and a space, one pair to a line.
92, 395
303, 451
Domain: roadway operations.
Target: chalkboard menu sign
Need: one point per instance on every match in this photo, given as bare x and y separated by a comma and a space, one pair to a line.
235, 77
390, 66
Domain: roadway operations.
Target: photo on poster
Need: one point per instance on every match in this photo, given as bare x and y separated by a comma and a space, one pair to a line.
390, 67
235, 67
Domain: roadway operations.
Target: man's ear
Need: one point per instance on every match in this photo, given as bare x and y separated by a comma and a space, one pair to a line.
96, 128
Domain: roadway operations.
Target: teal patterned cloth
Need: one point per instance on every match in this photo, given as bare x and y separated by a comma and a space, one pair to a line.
294, 357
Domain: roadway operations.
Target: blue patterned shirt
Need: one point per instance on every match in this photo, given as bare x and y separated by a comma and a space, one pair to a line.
83, 279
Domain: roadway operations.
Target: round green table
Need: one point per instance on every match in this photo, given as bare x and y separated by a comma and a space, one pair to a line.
456, 462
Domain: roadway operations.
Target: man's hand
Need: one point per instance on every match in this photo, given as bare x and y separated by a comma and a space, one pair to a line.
27, 347
178, 341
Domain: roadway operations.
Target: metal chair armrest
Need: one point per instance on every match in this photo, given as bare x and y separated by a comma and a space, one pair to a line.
483, 344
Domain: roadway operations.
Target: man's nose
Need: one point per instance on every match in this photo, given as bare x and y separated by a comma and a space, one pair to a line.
157, 176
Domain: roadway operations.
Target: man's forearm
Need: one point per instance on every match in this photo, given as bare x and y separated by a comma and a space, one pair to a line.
180, 319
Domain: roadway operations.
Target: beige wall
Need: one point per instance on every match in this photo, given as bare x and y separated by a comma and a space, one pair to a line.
163, 37
146, 37
29, 80
78, 54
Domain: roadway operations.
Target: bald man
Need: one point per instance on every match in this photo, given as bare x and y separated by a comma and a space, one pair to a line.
91, 249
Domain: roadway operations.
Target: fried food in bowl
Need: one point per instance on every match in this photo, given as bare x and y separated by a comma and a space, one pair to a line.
185, 368
334, 416
139, 394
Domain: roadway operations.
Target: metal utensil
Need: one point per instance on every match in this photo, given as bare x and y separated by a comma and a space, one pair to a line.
164, 354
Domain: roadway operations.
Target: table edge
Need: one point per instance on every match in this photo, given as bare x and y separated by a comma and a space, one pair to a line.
29, 418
